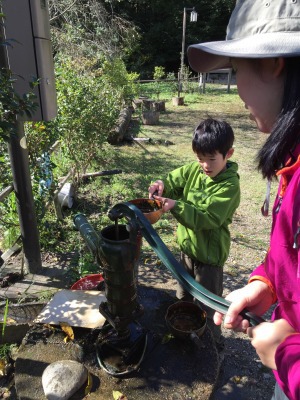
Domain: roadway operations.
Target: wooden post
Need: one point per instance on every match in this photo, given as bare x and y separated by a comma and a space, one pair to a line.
229, 80
204, 81
18, 153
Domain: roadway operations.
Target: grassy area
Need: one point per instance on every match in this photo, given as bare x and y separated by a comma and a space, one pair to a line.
141, 163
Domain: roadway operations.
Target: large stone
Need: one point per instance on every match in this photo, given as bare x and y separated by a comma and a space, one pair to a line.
62, 379
40, 348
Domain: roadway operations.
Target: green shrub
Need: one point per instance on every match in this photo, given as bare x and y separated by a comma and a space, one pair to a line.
89, 103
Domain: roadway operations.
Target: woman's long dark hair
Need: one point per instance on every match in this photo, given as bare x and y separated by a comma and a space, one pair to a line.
286, 131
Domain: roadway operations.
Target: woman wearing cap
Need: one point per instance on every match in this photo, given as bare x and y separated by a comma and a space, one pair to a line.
263, 46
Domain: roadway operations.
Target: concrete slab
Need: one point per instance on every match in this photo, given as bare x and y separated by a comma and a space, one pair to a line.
17, 320
34, 286
171, 369
33, 359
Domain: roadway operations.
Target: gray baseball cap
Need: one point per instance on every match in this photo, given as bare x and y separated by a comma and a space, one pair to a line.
256, 29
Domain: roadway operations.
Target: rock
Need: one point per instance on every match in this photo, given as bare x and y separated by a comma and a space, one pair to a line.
62, 379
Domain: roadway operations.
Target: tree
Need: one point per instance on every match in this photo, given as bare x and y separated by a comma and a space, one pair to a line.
144, 34
160, 27
86, 27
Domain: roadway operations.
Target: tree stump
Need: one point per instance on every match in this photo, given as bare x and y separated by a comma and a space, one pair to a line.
178, 101
137, 103
148, 104
150, 117
159, 105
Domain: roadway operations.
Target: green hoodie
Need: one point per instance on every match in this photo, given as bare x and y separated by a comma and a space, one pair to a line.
204, 208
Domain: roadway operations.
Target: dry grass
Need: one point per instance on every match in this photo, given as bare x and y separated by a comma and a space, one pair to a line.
250, 230
243, 375
144, 162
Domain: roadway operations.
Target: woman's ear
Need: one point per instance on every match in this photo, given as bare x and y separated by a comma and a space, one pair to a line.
279, 64
272, 67
229, 153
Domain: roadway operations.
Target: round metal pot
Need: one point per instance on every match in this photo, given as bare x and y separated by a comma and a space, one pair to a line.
152, 209
187, 320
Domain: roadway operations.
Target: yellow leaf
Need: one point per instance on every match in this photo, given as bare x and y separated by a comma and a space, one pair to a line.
167, 337
68, 330
88, 385
118, 395
237, 379
10, 321
3, 364
48, 326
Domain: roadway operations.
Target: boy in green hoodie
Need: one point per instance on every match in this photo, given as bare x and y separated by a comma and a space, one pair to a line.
203, 196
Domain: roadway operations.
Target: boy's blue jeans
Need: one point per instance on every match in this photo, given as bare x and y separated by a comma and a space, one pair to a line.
209, 276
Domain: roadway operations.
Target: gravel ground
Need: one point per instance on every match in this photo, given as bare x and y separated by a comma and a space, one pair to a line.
242, 375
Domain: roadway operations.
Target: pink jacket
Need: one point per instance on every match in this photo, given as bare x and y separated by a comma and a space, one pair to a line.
282, 269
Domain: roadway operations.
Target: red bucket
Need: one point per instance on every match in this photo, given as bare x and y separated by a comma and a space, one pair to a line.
89, 282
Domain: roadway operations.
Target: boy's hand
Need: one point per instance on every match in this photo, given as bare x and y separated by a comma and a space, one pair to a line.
157, 186
167, 204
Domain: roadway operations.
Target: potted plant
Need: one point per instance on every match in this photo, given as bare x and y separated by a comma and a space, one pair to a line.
159, 73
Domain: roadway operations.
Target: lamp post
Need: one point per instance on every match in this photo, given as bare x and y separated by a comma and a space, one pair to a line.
193, 18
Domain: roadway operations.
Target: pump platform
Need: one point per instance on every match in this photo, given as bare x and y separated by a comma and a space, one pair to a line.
172, 368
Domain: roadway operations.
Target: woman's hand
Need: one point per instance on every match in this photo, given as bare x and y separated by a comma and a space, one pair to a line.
157, 186
266, 337
256, 297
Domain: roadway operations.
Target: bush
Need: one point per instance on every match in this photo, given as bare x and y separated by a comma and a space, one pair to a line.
89, 103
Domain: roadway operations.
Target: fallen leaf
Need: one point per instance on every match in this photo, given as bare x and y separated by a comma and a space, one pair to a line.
68, 330
10, 321
3, 364
237, 379
167, 337
48, 326
118, 395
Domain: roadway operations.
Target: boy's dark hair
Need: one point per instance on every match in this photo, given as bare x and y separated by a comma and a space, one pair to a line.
212, 135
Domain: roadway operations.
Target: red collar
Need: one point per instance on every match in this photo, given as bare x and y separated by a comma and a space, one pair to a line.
287, 172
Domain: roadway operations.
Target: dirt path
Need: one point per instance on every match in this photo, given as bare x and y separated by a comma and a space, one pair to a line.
243, 377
